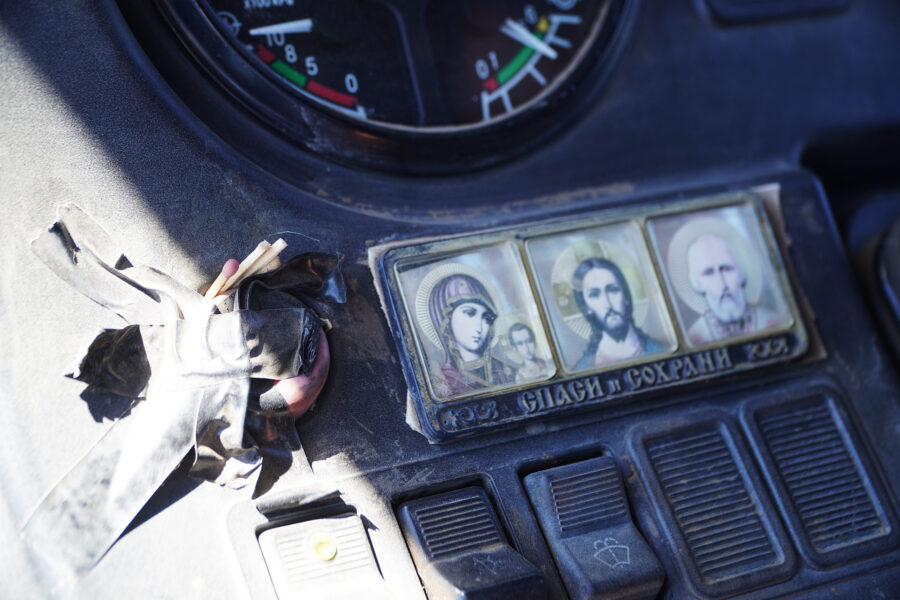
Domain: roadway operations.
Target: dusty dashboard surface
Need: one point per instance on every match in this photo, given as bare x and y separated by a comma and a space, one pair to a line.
603, 334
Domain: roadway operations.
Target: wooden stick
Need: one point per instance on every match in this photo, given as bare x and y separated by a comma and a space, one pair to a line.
245, 265
273, 264
263, 261
263, 258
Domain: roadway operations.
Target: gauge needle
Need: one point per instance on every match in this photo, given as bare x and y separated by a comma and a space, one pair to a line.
299, 26
518, 32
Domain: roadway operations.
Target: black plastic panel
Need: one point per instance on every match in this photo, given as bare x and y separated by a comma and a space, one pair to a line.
692, 108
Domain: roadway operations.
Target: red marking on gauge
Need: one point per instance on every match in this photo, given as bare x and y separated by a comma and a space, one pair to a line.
491, 84
264, 54
331, 95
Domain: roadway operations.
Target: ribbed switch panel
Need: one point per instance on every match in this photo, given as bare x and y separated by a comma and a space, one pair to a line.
461, 552
585, 501
459, 525
729, 540
824, 484
712, 505
820, 478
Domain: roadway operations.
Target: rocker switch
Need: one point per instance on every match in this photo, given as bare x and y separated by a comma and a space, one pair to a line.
583, 511
461, 552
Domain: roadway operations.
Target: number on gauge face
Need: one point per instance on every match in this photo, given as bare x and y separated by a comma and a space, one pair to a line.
342, 54
442, 64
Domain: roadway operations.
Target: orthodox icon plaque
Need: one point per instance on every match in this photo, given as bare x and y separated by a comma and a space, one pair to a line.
501, 327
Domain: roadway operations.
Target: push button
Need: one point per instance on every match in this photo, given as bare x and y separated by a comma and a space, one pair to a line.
461, 551
584, 513
323, 558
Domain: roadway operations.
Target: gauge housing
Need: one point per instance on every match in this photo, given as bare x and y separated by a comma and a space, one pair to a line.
315, 129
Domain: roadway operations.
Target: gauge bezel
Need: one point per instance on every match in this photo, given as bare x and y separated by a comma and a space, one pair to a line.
390, 147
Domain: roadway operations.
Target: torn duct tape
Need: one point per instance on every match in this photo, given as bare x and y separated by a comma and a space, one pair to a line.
191, 364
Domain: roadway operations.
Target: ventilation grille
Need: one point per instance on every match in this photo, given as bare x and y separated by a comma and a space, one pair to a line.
301, 566
586, 500
716, 514
825, 486
459, 525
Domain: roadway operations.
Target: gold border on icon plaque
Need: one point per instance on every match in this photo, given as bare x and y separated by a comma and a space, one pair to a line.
475, 321
697, 288
604, 303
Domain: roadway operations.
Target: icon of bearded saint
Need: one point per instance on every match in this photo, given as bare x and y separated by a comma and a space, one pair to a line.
716, 274
603, 295
460, 320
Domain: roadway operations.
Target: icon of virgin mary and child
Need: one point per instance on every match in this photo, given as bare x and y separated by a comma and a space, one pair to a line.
460, 320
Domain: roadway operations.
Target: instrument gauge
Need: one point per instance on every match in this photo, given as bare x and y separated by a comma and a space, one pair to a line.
414, 85
496, 58
428, 66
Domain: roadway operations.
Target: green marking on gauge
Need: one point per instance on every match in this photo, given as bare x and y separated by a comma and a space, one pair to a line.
518, 61
288, 73
315, 88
